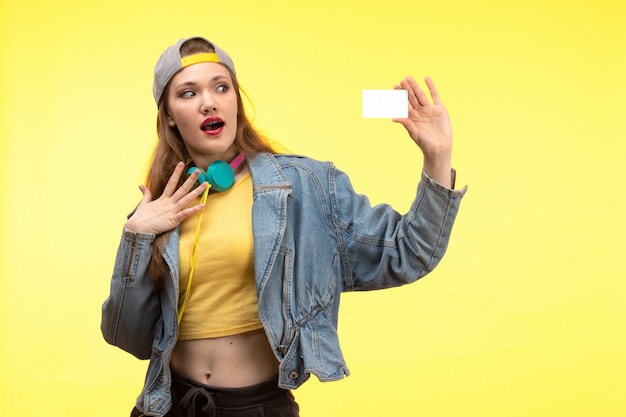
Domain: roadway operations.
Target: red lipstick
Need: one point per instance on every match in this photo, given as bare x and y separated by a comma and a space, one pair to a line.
212, 126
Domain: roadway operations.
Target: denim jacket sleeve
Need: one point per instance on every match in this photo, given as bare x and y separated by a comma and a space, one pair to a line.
385, 249
130, 313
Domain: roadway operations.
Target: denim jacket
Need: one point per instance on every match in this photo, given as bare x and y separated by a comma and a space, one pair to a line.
314, 237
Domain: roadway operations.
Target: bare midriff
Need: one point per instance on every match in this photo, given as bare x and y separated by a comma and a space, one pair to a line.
231, 361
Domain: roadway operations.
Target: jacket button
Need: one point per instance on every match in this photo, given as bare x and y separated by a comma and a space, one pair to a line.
293, 375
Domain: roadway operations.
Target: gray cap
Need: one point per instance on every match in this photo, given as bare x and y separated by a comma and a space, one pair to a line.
171, 62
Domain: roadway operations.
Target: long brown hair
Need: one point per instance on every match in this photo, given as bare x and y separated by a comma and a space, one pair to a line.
170, 150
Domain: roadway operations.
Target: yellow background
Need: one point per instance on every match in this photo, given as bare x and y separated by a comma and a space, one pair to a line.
524, 317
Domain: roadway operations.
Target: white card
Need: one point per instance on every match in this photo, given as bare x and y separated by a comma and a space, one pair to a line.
386, 104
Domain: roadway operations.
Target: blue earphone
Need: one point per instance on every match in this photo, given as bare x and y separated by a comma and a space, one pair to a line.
220, 175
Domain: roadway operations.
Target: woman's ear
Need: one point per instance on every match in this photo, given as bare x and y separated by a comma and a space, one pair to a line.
170, 120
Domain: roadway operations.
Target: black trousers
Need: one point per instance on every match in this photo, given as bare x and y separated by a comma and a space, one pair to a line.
193, 399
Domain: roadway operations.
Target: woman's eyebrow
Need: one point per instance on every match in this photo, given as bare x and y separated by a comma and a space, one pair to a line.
192, 83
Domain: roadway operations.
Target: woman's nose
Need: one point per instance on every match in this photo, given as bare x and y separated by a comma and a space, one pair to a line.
208, 104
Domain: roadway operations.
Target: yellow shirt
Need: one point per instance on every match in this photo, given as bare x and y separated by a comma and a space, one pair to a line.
223, 292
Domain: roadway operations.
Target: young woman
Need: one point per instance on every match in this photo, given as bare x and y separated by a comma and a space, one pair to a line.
231, 287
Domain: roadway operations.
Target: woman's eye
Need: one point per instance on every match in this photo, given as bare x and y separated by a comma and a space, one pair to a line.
221, 88
187, 94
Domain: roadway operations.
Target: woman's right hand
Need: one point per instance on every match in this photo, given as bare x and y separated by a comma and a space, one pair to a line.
170, 209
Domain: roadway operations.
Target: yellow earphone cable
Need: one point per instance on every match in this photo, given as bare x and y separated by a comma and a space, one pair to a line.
194, 254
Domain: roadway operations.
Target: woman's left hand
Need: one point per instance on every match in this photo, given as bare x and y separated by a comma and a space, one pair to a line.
429, 126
